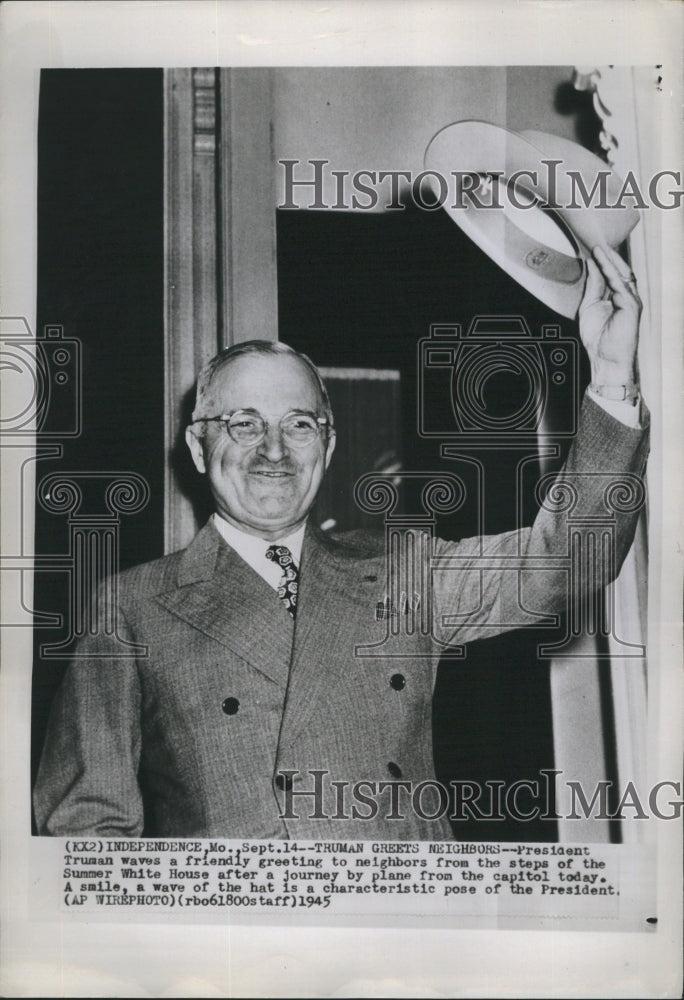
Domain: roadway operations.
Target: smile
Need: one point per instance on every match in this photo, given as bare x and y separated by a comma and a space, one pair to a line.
271, 475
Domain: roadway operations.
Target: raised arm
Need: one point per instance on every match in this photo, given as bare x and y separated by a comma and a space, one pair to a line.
588, 514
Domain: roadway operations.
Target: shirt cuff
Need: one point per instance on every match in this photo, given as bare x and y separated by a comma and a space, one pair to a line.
625, 412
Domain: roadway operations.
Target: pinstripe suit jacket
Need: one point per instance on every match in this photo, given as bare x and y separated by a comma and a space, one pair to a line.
231, 693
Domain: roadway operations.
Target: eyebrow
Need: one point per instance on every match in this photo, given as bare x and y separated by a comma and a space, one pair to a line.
252, 409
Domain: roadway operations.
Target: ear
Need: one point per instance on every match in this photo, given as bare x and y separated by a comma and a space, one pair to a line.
332, 440
195, 443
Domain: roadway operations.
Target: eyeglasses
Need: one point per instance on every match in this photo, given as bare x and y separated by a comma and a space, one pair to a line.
248, 428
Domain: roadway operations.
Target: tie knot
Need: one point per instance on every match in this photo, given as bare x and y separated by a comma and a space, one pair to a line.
281, 555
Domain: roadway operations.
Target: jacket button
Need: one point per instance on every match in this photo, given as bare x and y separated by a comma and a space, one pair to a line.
230, 706
394, 769
398, 681
283, 782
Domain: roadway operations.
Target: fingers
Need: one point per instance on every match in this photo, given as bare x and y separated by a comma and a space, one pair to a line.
618, 277
595, 288
621, 265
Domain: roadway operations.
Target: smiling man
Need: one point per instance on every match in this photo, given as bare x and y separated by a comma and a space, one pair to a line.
263, 433
250, 712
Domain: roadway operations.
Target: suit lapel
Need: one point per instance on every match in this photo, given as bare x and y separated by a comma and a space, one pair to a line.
221, 596
321, 627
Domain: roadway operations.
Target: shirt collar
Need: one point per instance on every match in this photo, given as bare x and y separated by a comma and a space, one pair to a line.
252, 548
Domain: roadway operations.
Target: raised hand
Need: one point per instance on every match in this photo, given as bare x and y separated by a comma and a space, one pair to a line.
609, 318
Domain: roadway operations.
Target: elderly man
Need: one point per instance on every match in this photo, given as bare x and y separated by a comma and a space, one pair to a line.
252, 714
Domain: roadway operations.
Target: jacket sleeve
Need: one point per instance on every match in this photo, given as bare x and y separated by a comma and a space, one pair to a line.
577, 544
87, 780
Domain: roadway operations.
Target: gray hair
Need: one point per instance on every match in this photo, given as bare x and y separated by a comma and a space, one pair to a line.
243, 349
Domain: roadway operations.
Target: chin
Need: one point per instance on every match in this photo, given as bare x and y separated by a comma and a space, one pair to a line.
273, 517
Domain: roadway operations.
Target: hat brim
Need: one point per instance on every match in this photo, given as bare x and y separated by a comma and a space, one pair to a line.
543, 249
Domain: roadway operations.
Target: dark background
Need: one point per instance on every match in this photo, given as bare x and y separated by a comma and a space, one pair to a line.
355, 289
100, 276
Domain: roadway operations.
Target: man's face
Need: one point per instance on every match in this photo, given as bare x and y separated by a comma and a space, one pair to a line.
265, 489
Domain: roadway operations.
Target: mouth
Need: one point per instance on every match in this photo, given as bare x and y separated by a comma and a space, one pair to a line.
271, 474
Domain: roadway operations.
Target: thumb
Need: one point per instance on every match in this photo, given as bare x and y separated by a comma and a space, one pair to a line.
595, 287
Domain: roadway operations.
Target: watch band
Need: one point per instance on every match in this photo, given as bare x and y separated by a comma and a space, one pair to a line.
628, 393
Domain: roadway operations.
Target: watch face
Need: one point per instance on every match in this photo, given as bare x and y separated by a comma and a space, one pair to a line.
618, 393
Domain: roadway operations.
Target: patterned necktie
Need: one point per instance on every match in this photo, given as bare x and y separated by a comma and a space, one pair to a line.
288, 586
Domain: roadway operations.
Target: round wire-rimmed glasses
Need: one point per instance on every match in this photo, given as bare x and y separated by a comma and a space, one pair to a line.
248, 428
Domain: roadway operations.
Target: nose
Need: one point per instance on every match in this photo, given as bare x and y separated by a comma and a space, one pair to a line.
273, 447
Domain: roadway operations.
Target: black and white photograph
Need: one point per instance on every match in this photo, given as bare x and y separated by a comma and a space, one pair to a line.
340, 434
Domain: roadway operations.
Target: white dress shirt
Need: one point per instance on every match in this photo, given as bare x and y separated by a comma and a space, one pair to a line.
252, 549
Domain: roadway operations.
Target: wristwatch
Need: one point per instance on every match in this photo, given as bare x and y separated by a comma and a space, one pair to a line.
628, 393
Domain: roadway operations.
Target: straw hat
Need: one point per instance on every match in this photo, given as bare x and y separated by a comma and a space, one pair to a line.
520, 175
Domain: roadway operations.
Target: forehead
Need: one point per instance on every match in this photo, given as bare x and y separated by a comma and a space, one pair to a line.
270, 383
